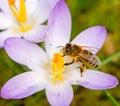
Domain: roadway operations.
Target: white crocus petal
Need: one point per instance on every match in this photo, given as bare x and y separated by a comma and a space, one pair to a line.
36, 34
73, 75
4, 21
25, 52
4, 6
23, 85
97, 80
35, 9
60, 94
59, 24
92, 37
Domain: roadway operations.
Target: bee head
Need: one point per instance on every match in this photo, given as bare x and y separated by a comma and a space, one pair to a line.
67, 49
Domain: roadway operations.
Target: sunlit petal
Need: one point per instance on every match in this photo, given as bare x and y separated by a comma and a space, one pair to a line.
35, 9
36, 34
4, 6
97, 80
60, 94
4, 22
59, 28
23, 85
25, 52
91, 37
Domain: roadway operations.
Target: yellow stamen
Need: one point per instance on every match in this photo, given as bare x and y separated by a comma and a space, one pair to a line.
25, 28
20, 14
57, 67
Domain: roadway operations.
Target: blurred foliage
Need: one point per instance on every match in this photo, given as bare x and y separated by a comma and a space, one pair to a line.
85, 13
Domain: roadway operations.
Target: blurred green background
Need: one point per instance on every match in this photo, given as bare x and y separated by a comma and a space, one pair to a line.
85, 13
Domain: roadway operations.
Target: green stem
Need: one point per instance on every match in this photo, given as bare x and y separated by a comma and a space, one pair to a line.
109, 59
111, 98
106, 61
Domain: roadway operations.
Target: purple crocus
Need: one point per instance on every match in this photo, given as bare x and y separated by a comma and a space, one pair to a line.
48, 70
24, 18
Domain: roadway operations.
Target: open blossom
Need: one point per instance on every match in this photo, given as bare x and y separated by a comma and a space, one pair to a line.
48, 69
24, 18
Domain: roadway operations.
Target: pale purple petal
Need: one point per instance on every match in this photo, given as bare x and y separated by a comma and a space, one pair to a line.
39, 9
23, 85
92, 37
25, 52
59, 94
97, 80
3, 36
59, 30
36, 34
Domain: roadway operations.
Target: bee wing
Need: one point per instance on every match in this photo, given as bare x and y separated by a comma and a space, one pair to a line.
92, 49
91, 58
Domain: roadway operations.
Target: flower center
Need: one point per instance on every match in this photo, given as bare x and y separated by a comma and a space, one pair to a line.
20, 14
57, 67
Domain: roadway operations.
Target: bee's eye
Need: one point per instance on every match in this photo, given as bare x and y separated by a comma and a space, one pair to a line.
68, 45
68, 49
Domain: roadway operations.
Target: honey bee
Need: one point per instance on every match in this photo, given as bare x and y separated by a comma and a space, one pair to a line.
81, 54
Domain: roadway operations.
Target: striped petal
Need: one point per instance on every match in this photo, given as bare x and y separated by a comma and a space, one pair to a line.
60, 94
59, 24
26, 53
95, 80
23, 85
92, 37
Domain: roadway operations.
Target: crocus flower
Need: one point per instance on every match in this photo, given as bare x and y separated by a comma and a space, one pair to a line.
48, 70
24, 18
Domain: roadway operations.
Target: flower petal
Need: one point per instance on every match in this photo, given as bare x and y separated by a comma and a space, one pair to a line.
60, 94
25, 52
73, 75
35, 9
37, 34
59, 24
3, 36
97, 80
23, 85
92, 37
4, 6
4, 21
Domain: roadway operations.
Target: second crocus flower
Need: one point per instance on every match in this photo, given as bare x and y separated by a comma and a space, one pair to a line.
24, 18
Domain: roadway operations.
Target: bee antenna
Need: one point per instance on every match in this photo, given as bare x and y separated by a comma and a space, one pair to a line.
59, 46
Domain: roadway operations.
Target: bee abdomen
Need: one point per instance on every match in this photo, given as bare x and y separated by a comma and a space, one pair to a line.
93, 62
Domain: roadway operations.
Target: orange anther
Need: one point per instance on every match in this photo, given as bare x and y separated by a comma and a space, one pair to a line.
11, 2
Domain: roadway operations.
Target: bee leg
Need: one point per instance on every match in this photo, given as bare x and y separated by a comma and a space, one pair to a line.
82, 68
69, 63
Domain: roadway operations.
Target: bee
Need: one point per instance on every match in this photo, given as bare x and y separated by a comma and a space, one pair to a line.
81, 54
